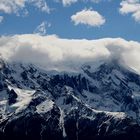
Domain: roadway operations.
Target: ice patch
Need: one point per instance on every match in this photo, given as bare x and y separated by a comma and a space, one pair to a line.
23, 99
45, 106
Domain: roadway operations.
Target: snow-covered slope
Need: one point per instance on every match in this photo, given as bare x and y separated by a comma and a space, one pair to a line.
99, 102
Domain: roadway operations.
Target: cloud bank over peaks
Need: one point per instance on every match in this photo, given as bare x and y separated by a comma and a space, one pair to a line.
54, 53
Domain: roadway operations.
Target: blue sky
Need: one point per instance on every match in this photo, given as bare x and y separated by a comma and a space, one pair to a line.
116, 24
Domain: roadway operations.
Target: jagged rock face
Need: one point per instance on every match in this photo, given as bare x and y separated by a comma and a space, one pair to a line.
32, 125
12, 97
98, 104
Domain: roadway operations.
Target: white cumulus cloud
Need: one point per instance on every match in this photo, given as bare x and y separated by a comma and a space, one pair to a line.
88, 17
131, 7
54, 53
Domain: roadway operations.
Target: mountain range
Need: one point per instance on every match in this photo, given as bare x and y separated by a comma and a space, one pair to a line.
99, 102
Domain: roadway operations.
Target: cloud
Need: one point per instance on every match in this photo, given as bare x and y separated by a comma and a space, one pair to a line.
18, 6
42, 28
88, 17
1, 18
41, 4
68, 2
54, 53
131, 7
